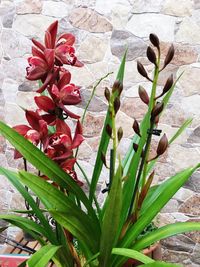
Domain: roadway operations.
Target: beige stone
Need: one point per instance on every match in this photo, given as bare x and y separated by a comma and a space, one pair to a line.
185, 34
9, 89
183, 194
92, 49
178, 7
143, 6
190, 80
14, 115
143, 24
124, 121
106, 7
191, 206
55, 9
32, 24
134, 107
120, 16
26, 100
81, 76
182, 157
89, 20
28, 6
93, 125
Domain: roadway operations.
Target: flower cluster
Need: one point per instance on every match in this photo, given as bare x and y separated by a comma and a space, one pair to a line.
47, 65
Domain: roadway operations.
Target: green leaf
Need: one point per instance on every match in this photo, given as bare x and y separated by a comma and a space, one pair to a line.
42, 256
111, 220
27, 225
133, 254
14, 179
44, 164
163, 193
105, 138
164, 232
180, 130
160, 264
64, 210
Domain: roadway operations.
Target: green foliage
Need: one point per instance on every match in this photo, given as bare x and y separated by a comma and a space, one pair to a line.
105, 236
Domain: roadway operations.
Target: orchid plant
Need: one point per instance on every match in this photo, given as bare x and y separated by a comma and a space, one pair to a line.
87, 233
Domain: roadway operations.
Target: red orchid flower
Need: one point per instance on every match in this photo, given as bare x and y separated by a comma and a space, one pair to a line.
36, 133
64, 51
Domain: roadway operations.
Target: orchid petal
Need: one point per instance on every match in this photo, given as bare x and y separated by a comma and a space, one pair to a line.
45, 103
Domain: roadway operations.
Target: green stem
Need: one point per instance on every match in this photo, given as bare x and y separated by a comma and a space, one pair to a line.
89, 101
148, 142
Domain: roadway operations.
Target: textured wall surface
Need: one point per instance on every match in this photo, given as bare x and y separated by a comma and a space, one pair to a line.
103, 30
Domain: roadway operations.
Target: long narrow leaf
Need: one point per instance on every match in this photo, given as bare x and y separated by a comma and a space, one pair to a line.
160, 264
13, 178
163, 193
43, 256
164, 232
103, 145
111, 220
56, 201
132, 254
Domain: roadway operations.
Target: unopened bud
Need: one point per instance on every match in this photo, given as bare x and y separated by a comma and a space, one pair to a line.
136, 127
157, 110
156, 120
141, 70
168, 84
135, 147
120, 89
116, 86
119, 134
103, 158
162, 145
107, 94
143, 95
151, 55
109, 130
169, 56
116, 104
154, 40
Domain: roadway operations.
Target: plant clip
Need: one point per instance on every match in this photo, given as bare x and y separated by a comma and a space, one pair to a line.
107, 189
154, 132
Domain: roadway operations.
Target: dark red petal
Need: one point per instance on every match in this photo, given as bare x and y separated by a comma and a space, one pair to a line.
62, 127
17, 154
69, 38
65, 79
50, 57
37, 53
21, 129
45, 103
33, 119
50, 119
47, 81
38, 44
43, 129
68, 164
52, 31
68, 112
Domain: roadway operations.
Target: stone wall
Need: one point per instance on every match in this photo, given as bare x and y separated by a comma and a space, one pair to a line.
103, 30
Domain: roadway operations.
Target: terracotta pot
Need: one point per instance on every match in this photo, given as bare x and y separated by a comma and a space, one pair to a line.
153, 252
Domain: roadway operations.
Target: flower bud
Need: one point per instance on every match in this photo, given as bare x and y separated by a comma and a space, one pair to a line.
107, 94
169, 56
117, 86
103, 158
119, 134
135, 147
109, 130
151, 55
141, 69
143, 95
136, 127
168, 84
154, 40
116, 104
157, 110
162, 145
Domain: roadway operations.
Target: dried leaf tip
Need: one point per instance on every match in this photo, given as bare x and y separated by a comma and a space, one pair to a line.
117, 104
154, 40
